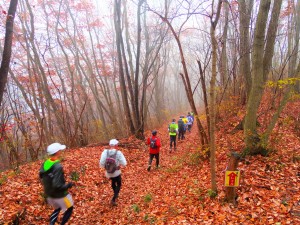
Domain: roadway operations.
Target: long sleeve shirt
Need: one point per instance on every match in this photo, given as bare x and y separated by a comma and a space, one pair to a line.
120, 160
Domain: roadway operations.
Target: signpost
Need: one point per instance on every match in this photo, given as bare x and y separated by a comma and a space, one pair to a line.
232, 178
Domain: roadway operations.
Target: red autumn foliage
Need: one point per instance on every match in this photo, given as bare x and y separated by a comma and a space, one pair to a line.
176, 193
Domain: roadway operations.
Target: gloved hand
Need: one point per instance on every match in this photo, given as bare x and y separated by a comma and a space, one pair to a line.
70, 184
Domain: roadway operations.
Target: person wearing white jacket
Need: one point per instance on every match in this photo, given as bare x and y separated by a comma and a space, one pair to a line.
115, 177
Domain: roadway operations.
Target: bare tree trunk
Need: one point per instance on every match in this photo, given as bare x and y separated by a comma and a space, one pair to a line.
293, 42
223, 58
204, 90
7, 46
212, 94
250, 132
129, 70
245, 71
139, 132
270, 39
159, 85
117, 21
262, 58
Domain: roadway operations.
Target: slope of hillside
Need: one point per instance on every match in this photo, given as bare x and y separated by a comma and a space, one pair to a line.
176, 193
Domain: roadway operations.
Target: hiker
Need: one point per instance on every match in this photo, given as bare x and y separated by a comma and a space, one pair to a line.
111, 159
193, 117
185, 120
181, 128
55, 186
173, 130
190, 122
154, 147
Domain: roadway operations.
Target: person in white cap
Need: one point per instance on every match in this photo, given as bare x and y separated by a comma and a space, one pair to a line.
55, 186
111, 159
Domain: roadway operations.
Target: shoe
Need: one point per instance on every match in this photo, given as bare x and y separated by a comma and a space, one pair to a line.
157, 167
170, 150
113, 203
149, 168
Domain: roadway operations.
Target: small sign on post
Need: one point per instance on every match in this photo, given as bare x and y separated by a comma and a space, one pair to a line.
232, 178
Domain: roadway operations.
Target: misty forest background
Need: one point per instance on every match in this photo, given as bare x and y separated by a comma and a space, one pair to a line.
81, 72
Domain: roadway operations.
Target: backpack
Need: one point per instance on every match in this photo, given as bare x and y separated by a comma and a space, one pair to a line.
111, 163
181, 124
172, 129
153, 143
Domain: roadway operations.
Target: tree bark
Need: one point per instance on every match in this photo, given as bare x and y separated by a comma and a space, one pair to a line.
250, 131
270, 39
262, 58
205, 99
212, 94
223, 59
6, 56
117, 21
245, 71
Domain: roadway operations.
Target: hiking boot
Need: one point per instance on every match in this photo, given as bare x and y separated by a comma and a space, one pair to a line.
170, 150
149, 168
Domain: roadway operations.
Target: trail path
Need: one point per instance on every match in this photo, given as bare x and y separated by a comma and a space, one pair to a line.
176, 193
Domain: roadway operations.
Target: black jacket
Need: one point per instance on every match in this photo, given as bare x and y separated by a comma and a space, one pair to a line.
53, 180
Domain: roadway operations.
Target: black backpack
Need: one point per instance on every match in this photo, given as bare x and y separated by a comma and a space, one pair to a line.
153, 143
111, 163
180, 125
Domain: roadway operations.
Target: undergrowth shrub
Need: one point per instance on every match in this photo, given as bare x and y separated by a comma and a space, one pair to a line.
150, 219
136, 208
211, 193
148, 198
74, 176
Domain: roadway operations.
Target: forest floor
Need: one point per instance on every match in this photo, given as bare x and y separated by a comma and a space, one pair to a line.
176, 193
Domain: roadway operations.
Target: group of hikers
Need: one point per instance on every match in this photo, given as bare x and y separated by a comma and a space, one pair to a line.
179, 129
56, 188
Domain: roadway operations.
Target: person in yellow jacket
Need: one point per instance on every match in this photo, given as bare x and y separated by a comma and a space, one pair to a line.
185, 120
173, 130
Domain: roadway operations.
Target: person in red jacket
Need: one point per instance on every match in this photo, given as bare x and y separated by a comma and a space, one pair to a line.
154, 143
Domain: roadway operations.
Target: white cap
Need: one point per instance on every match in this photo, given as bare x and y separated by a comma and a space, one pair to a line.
55, 147
113, 142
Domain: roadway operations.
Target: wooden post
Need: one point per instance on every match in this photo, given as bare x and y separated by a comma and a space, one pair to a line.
230, 194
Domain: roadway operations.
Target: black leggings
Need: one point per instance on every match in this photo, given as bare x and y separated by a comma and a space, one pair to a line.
151, 156
116, 183
172, 140
65, 218
181, 134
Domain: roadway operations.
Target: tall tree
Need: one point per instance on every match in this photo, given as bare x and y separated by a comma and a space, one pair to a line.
212, 93
245, 71
223, 57
293, 40
118, 31
263, 50
6, 56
